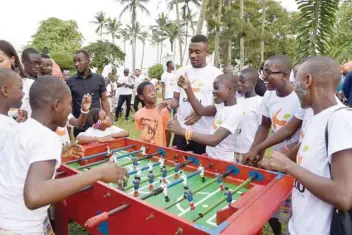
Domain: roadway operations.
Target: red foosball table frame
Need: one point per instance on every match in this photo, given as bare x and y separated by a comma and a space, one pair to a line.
245, 216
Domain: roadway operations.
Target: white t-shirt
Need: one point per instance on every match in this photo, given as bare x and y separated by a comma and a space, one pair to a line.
19, 152
92, 132
227, 117
202, 84
170, 81
63, 131
249, 123
122, 90
311, 215
27, 83
138, 80
280, 110
7, 128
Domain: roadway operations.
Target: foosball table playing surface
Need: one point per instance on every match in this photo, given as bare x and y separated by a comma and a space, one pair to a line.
170, 192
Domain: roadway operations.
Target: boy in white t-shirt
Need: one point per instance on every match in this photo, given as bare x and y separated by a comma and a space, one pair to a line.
10, 97
168, 81
101, 129
28, 163
220, 141
317, 190
251, 118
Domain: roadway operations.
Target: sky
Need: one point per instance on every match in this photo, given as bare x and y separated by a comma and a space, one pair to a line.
32, 12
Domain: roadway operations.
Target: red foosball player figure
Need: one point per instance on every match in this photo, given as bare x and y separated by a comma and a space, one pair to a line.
219, 180
188, 194
228, 195
151, 180
177, 168
163, 185
136, 183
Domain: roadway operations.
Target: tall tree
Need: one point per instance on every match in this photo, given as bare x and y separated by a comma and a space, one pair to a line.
132, 6
104, 53
113, 28
57, 36
134, 31
100, 20
202, 16
317, 18
241, 36
126, 36
143, 37
262, 33
161, 27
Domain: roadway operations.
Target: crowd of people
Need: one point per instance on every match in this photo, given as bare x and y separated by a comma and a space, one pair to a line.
219, 114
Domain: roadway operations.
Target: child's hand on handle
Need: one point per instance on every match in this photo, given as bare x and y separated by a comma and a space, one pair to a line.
175, 127
277, 162
72, 150
86, 102
183, 82
111, 173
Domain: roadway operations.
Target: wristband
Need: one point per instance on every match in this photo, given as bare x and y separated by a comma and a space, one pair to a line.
84, 112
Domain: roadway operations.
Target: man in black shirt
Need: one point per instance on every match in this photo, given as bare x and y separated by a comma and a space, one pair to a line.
86, 82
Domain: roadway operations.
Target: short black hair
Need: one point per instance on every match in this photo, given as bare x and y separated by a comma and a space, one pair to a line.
93, 116
168, 63
46, 56
46, 89
284, 61
199, 38
250, 70
228, 77
84, 52
27, 51
141, 87
6, 74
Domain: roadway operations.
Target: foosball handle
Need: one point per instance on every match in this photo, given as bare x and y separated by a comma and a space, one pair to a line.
96, 220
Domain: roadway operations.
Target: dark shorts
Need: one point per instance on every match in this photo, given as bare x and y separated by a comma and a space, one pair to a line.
181, 144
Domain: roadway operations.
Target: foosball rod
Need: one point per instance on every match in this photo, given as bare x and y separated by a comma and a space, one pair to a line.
142, 158
146, 167
103, 216
199, 189
239, 187
101, 154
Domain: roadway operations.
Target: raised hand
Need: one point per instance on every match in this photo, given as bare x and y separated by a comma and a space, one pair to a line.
86, 102
175, 127
184, 82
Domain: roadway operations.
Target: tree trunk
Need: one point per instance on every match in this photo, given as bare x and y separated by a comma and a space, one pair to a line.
201, 16
134, 53
241, 39
262, 33
124, 51
186, 41
142, 56
217, 37
179, 32
172, 46
161, 49
229, 42
113, 39
101, 33
157, 53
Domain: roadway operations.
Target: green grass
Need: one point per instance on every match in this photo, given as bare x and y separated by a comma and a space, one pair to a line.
75, 229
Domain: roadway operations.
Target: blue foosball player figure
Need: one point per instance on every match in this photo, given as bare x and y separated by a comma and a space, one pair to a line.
189, 196
219, 180
177, 169
151, 180
136, 183
134, 161
164, 173
228, 195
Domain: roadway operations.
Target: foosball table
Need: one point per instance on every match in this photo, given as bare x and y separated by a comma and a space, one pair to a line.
170, 192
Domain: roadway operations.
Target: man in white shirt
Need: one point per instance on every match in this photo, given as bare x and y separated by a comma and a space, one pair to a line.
317, 188
138, 79
168, 81
124, 89
201, 76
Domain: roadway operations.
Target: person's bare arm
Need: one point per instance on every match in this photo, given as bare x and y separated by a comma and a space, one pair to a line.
105, 103
321, 187
198, 108
78, 122
175, 102
163, 90
292, 153
281, 135
87, 139
168, 137
120, 134
41, 190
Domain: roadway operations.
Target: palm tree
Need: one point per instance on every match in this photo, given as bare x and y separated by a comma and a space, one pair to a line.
202, 16
217, 36
113, 28
172, 32
133, 6
161, 25
143, 36
100, 20
262, 33
241, 38
317, 19
125, 37
134, 31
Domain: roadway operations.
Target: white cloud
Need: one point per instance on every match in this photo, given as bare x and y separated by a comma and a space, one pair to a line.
23, 18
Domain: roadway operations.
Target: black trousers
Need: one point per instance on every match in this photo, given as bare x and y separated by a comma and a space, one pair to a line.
181, 144
136, 103
122, 99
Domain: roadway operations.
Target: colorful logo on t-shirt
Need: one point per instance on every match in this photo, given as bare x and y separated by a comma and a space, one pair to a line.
216, 123
300, 157
277, 122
